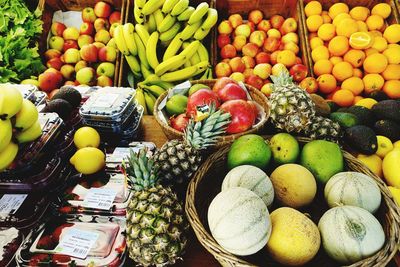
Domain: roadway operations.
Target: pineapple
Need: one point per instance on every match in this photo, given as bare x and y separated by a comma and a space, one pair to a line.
177, 160
323, 128
292, 108
156, 224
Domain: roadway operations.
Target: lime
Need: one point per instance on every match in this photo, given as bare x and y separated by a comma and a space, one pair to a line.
176, 104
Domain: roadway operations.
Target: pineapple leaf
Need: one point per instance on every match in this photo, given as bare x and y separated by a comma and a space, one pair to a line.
282, 79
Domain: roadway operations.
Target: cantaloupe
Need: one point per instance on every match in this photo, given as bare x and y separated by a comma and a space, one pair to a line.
354, 189
239, 221
350, 234
252, 178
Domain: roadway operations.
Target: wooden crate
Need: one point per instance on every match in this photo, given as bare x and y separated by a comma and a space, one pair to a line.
48, 8
285, 8
128, 16
392, 19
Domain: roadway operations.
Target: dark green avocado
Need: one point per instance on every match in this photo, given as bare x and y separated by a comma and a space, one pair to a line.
59, 106
362, 139
387, 109
388, 128
344, 119
69, 94
364, 115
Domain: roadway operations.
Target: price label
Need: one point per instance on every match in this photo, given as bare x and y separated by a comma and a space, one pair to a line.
10, 203
99, 198
76, 243
117, 179
105, 100
119, 155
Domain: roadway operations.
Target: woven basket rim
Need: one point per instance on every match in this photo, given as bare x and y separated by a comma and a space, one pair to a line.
381, 258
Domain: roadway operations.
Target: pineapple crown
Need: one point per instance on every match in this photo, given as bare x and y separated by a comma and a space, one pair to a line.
282, 79
140, 170
205, 133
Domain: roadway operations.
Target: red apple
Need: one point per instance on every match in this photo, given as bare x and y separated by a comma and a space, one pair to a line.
271, 44
223, 40
289, 25
235, 20
72, 83
52, 53
115, 17
262, 57
88, 15
231, 91
237, 76
299, 72
107, 53
102, 9
50, 80
84, 40
89, 53
86, 76
222, 69
250, 50
274, 57
70, 44
101, 23
264, 25
253, 105
257, 38
228, 51
243, 29
309, 84
55, 63
247, 73
80, 65
249, 62
86, 28
201, 97
103, 81
99, 44
179, 122
277, 21
242, 115
255, 81
263, 70
266, 89
71, 33
298, 60
256, 16
102, 36
239, 41
251, 25
57, 28
225, 27
56, 42
237, 64
221, 82
290, 37
72, 56
68, 72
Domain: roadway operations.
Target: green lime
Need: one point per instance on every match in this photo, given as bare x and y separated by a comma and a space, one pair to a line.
176, 104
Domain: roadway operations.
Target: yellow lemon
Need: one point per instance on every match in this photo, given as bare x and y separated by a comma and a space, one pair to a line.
313, 8
374, 22
395, 193
392, 33
359, 13
382, 9
391, 168
326, 31
373, 162
380, 44
375, 63
337, 9
347, 27
384, 146
88, 160
362, 26
339, 18
86, 137
367, 102
392, 54
361, 40
392, 72
396, 144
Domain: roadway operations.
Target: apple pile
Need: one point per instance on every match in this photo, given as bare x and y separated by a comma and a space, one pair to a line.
249, 49
85, 56
226, 95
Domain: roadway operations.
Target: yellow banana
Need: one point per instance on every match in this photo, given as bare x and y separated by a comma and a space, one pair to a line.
185, 15
128, 30
12, 101
140, 3
133, 63
150, 80
195, 59
27, 115
145, 71
169, 64
202, 67
150, 101
211, 20
189, 30
179, 75
137, 13
187, 64
181, 6
151, 50
201, 33
154, 90
162, 84
140, 99
191, 49
171, 33
8, 155
158, 16
152, 24
169, 5
151, 6
5, 133
205, 74
199, 13
173, 47
203, 52
120, 40
141, 50
167, 23
30, 134
142, 32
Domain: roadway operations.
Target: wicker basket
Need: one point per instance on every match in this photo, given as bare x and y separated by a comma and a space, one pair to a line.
255, 94
206, 184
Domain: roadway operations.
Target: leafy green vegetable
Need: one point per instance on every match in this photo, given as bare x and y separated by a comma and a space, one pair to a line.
19, 29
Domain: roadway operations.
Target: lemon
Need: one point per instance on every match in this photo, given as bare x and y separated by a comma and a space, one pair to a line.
382, 9
391, 167
367, 102
88, 160
86, 137
361, 40
395, 193
384, 146
373, 162
396, 144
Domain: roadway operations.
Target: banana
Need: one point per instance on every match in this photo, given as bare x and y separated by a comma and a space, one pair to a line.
171, 33
150, 101
167, 23
152, 24
201, 33
151, 6
203, 52
26, 116
137, 13
154, 90
211, 20
11, 101
181, 6
5, 133
162, 84
199, 13
195, 59
30, 134
189, 30
8, 155
169, 64
145, 71
179, 75
202, 67
205, 75
151, 50
140, 99
140, 3
120, 40
168, 6
128, 30
150, 80
191, 49
141, 50
173, 47
142, 32
158, 16
185, 15
186, 65
133, 63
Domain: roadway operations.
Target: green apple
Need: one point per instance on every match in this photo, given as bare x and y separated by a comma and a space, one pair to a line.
196, 87
285, 148
56, 42
107, 69
176, 104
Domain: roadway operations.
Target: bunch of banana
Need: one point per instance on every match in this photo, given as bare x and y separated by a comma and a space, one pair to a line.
17, 116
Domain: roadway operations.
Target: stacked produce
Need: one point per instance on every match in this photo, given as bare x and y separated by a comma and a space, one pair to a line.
355, 53
166, 40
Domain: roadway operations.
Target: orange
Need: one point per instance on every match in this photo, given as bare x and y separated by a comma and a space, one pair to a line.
392, 72
375, 33
325, 17
323, 66
326, 31
357, 73
326, 83
355, 57
357, 98
393, 54
380, 44
367, 102
359, 13
287, 58
315, 42
361, 40
321, 52
329, 96
374, 22
336, 60
392, 33
362, 26
347, 27
338, 8
353, 84
342, 71
339, 18
392, 88
382, 9
313, 8
370, 51
373, 82
338, 46
343, 98
313, 22
375, 63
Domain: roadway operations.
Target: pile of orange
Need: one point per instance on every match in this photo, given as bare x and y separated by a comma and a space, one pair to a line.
354, 51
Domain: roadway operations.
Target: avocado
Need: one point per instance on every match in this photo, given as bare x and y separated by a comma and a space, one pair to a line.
378, 95
387, 109
344, 119
364, 115
59, 106
342, 110
69, 94
361, 138
321, 106
388, 128
332, 105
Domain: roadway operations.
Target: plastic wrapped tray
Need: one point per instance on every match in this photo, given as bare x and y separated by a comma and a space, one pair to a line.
27, 90
10, 241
